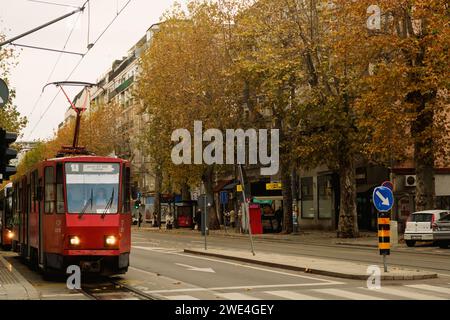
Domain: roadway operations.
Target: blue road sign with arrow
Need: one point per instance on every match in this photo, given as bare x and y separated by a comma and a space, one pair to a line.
383, 199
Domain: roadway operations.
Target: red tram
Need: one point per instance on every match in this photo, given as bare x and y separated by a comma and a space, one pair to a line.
74, 211
6, 217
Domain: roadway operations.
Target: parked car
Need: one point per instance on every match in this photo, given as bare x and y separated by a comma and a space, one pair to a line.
419, 226
441, 230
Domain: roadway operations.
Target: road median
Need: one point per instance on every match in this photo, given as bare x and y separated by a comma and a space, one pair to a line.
332, 268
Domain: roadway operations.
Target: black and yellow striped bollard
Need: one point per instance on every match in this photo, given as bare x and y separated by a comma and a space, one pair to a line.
384, 239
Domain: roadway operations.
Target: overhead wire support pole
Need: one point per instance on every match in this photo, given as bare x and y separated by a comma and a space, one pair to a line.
43, 26
247, 211
48, 49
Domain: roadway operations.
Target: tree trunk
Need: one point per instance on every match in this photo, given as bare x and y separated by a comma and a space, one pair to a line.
348, 218
185, 192
287, 197
158, 189
207, 179
424, 159
285, 170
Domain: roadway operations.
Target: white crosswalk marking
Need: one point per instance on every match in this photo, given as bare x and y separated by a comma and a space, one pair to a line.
236, 296
430, 288
347, 294
290, 295
181, 297
405, 293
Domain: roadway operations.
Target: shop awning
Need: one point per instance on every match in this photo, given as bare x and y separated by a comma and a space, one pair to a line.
271, 198
262, 201
221, 184
231, 186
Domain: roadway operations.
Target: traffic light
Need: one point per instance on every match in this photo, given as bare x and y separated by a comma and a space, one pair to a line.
137, 204
7, 154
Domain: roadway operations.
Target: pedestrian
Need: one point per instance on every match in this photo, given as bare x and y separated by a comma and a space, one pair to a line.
226, 218
279, 218
232, 215
140, 219
169, 221
240, 220
198, 219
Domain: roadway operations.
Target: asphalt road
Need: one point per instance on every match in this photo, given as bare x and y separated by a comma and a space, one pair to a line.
161, 268
426, 258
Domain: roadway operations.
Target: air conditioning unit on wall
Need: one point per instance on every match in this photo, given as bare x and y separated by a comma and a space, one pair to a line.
410, 181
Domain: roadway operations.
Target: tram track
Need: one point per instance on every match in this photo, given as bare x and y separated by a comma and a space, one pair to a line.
113, 290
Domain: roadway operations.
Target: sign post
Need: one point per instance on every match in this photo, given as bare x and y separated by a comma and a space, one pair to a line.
204, 202
4, 93
383, 200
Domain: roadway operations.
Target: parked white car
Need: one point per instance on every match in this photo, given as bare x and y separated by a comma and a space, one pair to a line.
441, 230
420, 225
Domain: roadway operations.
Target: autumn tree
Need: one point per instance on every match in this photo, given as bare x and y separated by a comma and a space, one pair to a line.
183, 80
99, 133
404, 98
10, 118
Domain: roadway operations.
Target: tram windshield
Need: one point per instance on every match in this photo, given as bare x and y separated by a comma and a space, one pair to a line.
92, 188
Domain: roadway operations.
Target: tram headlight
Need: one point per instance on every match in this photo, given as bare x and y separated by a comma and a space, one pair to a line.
10, 235
110, 241
74, 241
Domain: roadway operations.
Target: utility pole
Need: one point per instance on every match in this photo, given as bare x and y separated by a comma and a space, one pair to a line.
81, 9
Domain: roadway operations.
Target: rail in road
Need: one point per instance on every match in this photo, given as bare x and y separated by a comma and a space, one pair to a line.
111, 289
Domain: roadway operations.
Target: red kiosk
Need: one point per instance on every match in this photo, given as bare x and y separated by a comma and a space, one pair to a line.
255, 219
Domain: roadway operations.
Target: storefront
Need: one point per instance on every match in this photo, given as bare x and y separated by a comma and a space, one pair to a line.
318, 200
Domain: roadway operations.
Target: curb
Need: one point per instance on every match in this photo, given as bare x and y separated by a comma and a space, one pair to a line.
260, 239
30, 290
312, 270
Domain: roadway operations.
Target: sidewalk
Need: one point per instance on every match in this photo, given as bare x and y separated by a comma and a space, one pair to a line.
332, 268
366, 239
13, 286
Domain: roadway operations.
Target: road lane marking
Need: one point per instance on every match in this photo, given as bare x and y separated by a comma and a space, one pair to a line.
181, 297
330, 282
347, 294
291, 295
239, 287
405, 293
236, 296
430, 288
192, 268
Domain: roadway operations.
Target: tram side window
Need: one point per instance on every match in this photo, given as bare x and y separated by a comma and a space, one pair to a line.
59, 189
49, 204
126, 190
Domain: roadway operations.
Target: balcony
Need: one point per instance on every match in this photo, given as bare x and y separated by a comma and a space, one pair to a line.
123, 86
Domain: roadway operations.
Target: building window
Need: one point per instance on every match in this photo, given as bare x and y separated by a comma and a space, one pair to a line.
325, 196
307, 198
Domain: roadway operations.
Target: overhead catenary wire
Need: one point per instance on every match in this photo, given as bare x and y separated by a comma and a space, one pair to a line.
53, 3
55, 65
79, 63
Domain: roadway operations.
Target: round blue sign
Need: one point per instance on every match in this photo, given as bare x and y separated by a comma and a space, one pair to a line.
383, 199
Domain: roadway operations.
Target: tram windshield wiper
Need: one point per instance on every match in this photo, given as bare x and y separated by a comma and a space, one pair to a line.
90, 200
109, 204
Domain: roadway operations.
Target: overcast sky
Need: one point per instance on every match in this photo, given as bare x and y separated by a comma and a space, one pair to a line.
35, 66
